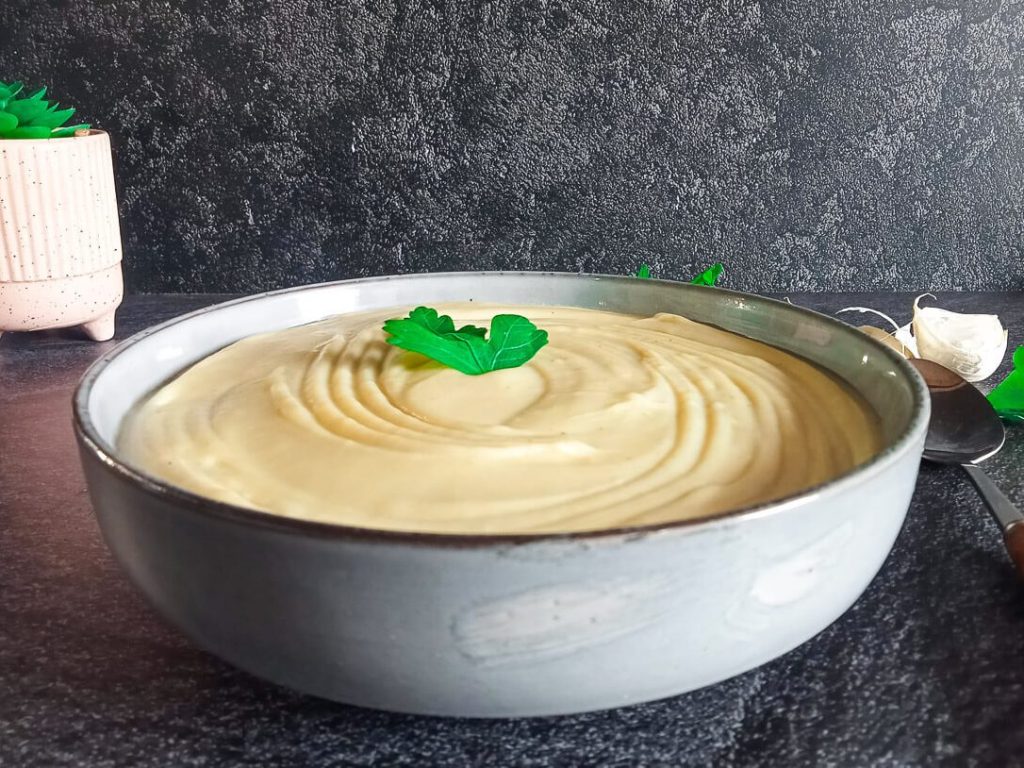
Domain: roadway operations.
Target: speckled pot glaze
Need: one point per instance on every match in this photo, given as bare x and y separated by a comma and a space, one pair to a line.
60, 239
495, 626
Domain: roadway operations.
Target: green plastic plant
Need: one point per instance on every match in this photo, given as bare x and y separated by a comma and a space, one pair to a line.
33, 117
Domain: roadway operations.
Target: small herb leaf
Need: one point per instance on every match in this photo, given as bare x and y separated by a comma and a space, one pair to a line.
472, 330
710, 275
1008, 396
429, 319
447, 349
514, 340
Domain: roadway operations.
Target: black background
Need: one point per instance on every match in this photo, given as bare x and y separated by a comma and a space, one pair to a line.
853, 144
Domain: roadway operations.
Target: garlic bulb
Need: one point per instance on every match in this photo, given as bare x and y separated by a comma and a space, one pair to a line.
971, 345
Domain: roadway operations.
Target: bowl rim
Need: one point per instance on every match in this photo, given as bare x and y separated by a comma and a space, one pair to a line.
90, 440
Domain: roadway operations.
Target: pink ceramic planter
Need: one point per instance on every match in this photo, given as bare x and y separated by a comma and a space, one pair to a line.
60, 240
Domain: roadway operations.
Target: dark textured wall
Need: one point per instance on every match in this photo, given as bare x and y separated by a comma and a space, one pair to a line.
809, 144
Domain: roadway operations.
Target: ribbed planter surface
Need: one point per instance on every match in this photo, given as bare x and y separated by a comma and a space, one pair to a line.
60, 239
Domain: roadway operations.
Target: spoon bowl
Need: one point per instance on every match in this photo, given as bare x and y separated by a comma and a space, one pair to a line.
965, 429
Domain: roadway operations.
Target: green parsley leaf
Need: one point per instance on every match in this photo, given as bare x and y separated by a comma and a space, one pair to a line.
514, 340
1008, 397
441, 324
709, 275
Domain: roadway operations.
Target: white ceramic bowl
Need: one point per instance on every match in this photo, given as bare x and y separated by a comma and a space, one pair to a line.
493, 626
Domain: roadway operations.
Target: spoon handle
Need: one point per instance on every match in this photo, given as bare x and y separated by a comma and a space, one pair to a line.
1015, 545
1010, 519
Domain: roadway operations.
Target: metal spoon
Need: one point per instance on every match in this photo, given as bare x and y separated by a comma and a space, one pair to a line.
965, 430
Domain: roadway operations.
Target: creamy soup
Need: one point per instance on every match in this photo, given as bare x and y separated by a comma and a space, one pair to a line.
618, 421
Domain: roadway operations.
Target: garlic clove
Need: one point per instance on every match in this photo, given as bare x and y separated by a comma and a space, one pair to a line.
886, 338
901, 333
906, 338
870, 311
971, 345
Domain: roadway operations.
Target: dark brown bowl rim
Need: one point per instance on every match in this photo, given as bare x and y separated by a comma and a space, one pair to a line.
89, 439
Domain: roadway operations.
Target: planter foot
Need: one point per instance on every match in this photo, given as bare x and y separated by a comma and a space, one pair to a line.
100, 329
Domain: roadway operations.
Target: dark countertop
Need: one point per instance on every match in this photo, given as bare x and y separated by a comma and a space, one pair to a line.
926, 669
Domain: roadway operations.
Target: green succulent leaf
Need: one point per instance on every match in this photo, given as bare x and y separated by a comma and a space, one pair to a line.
9, 90
69, 130
514, 340
33, 117
29, 132
643, 272
26, 110
53, 119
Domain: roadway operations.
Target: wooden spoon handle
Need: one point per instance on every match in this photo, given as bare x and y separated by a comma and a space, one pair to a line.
1009, 517
1015, 546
